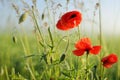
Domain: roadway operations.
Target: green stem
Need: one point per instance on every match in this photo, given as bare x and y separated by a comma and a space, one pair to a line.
51, 38
100, 26
67, 43
31, 72
86, 78
78, 32
67, 46
6, 72
59, 42
37, 26
102, 73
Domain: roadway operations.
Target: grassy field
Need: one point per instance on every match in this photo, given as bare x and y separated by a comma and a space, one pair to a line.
22, 59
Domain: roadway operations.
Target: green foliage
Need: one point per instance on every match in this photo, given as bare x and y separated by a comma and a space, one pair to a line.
13, 63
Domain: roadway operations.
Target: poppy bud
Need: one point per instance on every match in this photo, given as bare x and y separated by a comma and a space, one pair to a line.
42, 16
62, 58
14, 39
109, 60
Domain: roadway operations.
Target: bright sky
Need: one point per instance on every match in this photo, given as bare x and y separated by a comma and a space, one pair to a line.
110, 10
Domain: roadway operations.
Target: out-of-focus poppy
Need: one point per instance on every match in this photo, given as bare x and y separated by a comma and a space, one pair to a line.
83, 45
109, 60
69, 20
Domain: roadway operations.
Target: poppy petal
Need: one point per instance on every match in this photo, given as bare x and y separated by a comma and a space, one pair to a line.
95, 50
84, 43
109, 60
107, 65
69, 20
104, 59
61, 26
78, 52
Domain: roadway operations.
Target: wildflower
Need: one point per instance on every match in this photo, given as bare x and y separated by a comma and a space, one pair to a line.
69, 20
83, 45
109, 60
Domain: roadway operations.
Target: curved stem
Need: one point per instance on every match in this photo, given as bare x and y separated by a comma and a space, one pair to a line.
60, 42
67, 46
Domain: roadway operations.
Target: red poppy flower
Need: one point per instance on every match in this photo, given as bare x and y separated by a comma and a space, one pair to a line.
109, 60
69, 20
83, 45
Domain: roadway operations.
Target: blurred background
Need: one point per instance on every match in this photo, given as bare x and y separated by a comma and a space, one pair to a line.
110, 14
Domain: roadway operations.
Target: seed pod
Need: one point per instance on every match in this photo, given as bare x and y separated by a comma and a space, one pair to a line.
42, 16
62, 58
23, 17
14, 39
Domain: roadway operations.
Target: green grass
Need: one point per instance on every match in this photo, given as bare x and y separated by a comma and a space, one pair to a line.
15, 64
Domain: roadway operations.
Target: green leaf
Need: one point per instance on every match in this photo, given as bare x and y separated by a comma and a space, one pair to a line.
66, 74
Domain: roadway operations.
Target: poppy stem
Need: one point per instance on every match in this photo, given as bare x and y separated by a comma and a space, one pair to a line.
67, 43
86, 78
78, 32
102, 70
100, 27
67, 46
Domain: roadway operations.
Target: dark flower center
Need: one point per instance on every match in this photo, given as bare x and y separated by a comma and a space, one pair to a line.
72, 16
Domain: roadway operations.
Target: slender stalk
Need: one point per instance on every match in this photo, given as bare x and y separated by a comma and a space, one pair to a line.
100, 24
100, 27
67, 42
86, 78
51, 38
37, 26
59, 42
67, 46
31, 72
118, 73
6, 72
102, 75
24, 48
78, 32
49, 16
